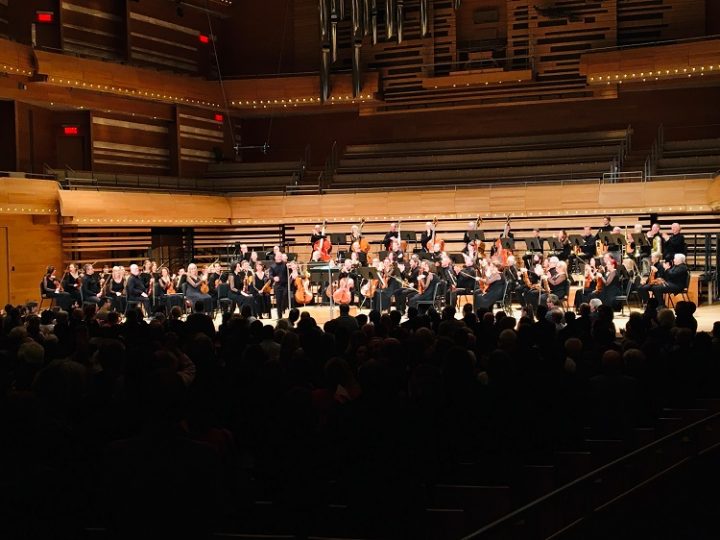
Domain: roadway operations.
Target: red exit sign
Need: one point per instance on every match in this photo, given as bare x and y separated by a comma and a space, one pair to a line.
72, 131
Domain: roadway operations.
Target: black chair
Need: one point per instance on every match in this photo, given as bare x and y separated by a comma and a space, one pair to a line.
622, 299
223, 302
43, 297
505, 303
684, 293
438, 298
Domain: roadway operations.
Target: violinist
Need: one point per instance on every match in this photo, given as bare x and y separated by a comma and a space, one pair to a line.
214, 273
179, 280
428, 281
239, 293
147, 275
395, 251
607, 286
91, 286
136, 290
675, 279
558, 282
72, 283
494, 288
387, 285
52, 288
260, 289
193, 293
512, 274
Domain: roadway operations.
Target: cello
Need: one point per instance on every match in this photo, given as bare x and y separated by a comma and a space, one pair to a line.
340, 293
435, 240
303, 295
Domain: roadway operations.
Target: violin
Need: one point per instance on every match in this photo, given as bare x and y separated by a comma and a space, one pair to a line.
368, 290
57, 283
204, 287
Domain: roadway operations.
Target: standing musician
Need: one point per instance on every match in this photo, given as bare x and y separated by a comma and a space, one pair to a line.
261, 290
279, 276
192, 290
136, 290
392, 233
606, 227
427, 238
52, 288
655, 238
72, 283
429, 282
589, 248
115, 289
91, 286
238, 292
146, 275
673, 243
494, 288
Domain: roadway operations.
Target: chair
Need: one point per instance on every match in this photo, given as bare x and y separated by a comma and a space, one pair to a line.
223, 302
438, 299
505, 303
622, 299
43, 297
683, 294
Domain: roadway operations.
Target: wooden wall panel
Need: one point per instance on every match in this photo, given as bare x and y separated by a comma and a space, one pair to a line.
130, 144
165, 35
94, 28
640, 21
202, 138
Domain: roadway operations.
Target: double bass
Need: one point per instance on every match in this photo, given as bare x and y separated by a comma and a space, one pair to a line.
434, 240
323, 245
501, 254
363, 244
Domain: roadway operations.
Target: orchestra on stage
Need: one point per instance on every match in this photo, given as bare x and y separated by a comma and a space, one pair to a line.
405, 269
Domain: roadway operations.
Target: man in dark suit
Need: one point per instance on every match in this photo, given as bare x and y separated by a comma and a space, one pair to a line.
674, 280
279, 277
91, 286
673, 243
135, 289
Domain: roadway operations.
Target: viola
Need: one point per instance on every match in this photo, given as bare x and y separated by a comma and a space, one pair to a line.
303, 295
204, 287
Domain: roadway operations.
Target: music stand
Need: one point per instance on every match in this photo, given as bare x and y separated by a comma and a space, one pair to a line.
291, 257
641, 239
618, 239
534, 244
605, 237
320, 272
338, 239
427, 256
476, 235
408, 236
458, 258
555, 244
508, 243
382, 255
576, 240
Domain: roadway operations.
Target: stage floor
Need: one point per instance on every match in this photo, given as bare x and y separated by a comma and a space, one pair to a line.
706, 315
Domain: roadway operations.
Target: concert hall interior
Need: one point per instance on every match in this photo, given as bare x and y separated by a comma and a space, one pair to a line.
359, 269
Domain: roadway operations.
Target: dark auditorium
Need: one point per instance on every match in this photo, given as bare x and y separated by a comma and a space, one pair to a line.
359, 269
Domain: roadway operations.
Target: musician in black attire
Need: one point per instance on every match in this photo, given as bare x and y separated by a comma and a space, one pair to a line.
494, 291
588, 248
136, 290
446, 272
91, 286
673, 243
238, 292
427, 237
51, 289
674, 280
279, 276
316, 235
430, 281
409, 274
392, 233
606, 227
72, 282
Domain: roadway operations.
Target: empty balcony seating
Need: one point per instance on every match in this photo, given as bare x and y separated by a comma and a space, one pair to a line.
580, 155
263, 176
689, 156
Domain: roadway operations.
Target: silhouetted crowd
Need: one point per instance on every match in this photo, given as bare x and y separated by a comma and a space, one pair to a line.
172, 429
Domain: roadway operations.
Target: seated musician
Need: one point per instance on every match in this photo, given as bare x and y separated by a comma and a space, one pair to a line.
52, 288
589, 284
466, 276
674, 280
429, 282
91, 286
409, 274
387, 285
558, 282
494, 288
564, 253
657, 271
446, 272
193, 293
615, 250
610, 279
213, 277
136, 290
260, 292
115, 289
396, 250
589, 247
238, 292
512, 274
